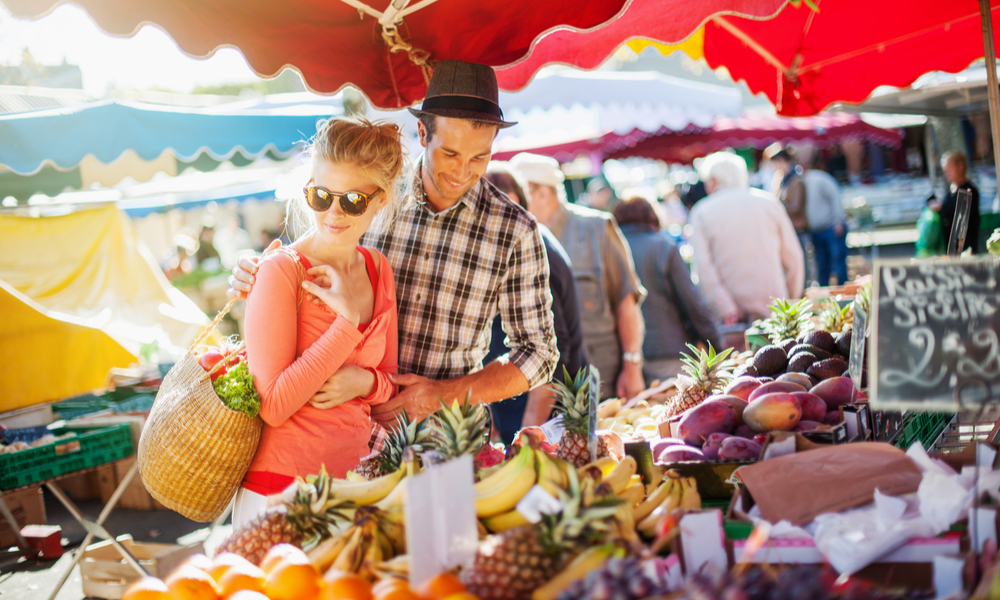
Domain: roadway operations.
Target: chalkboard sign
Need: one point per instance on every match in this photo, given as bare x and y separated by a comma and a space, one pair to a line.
935, 327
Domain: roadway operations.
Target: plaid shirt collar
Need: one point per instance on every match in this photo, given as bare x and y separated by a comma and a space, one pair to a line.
471, 198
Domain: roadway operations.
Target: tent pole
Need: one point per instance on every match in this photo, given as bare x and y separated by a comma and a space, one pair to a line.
986, 16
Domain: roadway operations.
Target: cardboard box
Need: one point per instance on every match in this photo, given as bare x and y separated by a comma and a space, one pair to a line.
105, 573
28, 508
135, 496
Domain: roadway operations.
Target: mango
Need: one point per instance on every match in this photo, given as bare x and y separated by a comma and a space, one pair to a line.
744, 431
741, 387
835, 391
661, 444
775, 387
713, 443
739, 449
673, 454
799, 378
735, 402
813, 407
832, 418
706, 418
806, 426
773, 412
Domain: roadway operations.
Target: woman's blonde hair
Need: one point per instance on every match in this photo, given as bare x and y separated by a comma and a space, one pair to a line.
374, 148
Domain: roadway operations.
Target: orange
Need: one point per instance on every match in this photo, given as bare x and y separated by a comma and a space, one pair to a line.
462, 596
241, 577
440, 587
389, 583
279, 553
247, 595
348, 586
199, 561
398, 593
147, 588
292, 580
189, 583
225, 561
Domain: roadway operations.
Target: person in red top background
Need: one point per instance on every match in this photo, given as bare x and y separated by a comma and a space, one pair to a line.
324, 309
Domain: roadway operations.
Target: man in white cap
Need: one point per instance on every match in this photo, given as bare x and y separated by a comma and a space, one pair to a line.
607, 285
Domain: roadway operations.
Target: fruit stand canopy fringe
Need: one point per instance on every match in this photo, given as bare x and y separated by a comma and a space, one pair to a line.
334, 44
758, 131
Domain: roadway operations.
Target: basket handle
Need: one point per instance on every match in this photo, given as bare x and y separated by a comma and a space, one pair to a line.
208, 330
225, 360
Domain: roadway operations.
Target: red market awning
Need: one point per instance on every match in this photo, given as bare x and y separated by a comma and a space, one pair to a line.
668, 21
757, 131
599, 147
334, 43
805, 60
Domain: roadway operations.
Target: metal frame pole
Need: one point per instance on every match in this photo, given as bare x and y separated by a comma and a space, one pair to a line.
991, 78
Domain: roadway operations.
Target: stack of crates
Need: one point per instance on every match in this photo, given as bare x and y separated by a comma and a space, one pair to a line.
922, 426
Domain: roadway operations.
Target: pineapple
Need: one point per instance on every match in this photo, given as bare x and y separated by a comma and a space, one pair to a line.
301, 522
788, 321
458, 429
834, 319
407, 434
573, 404
706, 372
511, 565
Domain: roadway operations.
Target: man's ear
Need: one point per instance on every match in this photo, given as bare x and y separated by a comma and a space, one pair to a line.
422, 132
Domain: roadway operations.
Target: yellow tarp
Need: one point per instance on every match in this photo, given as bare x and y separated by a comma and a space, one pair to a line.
89, 266
45, 357
694, 46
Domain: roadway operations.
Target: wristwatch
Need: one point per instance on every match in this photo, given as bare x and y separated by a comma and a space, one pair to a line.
633, 357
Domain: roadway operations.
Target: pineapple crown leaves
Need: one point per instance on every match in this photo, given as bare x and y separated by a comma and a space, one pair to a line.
788, 321
312, 511
833, 317
573, 398
706, 368
458, 429
576, 523
406, 434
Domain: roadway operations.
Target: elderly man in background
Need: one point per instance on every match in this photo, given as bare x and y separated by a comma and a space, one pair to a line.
956, 171
746, 252
606, 282
827, 224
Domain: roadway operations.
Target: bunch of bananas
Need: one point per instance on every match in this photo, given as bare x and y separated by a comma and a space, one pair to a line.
638, 420
375, 536
673, 493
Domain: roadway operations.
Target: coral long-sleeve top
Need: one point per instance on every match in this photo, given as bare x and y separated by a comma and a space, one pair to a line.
293, 348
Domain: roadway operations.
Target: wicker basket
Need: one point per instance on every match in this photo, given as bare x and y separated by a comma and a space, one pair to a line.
194, 451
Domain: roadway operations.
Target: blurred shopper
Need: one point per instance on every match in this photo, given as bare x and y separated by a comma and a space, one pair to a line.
600, 196
609, 289
208, 256
534, 407
673, 311
232, 242
956, 171
791, 190
827, 224
746, 252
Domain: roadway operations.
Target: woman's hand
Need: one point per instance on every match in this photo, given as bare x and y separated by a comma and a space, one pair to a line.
348, 383
331, 289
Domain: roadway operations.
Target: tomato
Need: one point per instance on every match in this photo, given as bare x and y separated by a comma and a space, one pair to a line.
209, 359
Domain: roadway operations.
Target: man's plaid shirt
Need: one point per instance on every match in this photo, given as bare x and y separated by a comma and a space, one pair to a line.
455, 271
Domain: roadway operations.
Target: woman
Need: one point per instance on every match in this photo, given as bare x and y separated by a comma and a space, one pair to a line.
345, 332
673, 312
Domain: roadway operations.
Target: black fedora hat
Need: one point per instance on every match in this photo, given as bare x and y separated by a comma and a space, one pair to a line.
461, 90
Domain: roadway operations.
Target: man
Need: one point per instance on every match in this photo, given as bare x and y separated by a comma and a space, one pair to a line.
791, 190
827, 224
607, 285
956, 171
462, 253
746, 252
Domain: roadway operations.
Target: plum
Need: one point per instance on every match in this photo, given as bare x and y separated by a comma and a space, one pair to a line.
813, 407
773, 412
832, 418
775, 387
706, 418
657, 446
672, 454
741, 387
836, 392
806, 426
760, 438
712, 444
736, 448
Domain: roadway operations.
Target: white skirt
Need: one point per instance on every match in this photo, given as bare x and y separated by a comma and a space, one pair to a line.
248, 506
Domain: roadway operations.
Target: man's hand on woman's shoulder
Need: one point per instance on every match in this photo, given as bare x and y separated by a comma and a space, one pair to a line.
243, 278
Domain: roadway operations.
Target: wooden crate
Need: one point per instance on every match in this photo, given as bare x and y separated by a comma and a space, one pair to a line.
135, 497
105, 574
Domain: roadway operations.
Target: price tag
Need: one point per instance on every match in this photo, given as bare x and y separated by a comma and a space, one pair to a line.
595, 398
554, 430
960, 226
440, 510
857, 358
538, 502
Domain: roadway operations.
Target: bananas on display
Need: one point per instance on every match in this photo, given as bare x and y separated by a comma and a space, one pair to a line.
640, 420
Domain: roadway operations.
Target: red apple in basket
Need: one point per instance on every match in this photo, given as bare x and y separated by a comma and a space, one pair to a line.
209, 359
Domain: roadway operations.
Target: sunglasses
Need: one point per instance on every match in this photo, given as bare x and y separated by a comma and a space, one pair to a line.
353, 203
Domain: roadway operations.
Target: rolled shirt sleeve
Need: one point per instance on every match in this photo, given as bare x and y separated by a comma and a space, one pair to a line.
525, 303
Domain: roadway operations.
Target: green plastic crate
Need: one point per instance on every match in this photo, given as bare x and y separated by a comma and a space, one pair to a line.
91, 447
924, 426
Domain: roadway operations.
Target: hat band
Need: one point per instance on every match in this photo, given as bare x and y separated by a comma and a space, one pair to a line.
469, 103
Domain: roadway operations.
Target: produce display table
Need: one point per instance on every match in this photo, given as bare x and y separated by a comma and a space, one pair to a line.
94, 528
